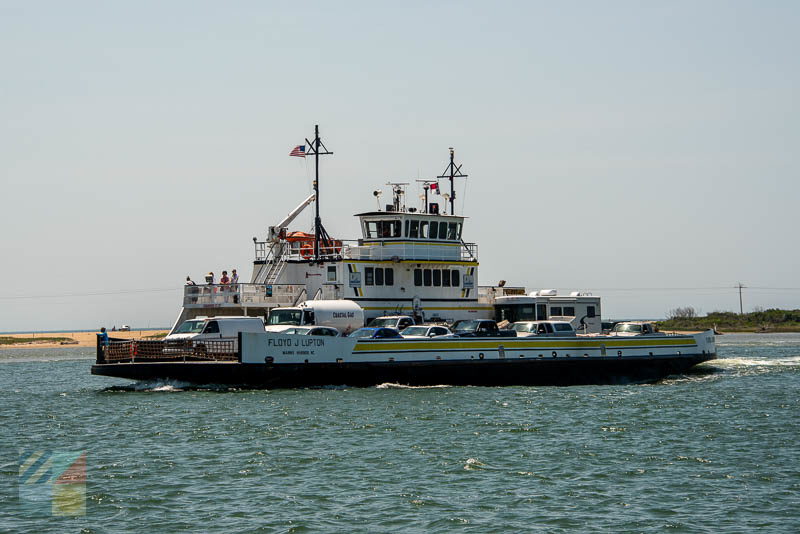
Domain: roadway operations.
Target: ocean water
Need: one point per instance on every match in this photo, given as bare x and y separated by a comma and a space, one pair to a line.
717, 450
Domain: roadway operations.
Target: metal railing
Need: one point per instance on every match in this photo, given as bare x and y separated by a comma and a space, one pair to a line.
412, 251
132, 350
241, 295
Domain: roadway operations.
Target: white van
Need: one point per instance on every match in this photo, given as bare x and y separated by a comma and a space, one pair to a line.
215, 328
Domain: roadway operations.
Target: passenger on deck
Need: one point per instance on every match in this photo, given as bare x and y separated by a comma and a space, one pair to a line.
235, 285
224, 280
189, 281
103, 337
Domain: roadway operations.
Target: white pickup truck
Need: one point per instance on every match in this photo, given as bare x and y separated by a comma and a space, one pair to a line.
544, 328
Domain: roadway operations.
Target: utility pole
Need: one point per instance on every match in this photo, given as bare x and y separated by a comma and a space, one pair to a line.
741, 308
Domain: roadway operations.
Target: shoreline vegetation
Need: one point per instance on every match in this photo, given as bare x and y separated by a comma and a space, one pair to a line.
771, 321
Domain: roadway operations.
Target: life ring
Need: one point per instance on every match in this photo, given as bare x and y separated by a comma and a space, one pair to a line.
306, 250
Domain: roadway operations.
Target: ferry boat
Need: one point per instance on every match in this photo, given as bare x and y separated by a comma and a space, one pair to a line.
410, 261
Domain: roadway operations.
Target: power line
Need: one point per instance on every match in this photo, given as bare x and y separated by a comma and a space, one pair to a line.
90, 294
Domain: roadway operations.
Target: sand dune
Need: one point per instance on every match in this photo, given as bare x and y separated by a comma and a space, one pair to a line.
84, 339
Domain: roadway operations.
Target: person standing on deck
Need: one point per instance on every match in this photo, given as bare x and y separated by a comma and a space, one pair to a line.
225, 282
235, 285
102, 337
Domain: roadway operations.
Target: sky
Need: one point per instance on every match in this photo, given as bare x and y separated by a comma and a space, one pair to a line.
644, 151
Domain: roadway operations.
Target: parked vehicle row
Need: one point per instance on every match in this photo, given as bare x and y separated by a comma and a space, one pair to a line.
305, 319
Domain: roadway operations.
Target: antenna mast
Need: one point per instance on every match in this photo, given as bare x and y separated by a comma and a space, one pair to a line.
318, 149
454, 172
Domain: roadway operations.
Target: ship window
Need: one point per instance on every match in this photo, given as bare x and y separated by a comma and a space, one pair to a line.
212, 328
417, 277
378, 277
369, 276
446, 278
332, 274
555, 310
590, 311
569, 310
458, 232
442, 230
437, 278
452, 232
406, 234
371, 229
414, 229
455, 277
434, 230
388, 277
423, 229
426, 276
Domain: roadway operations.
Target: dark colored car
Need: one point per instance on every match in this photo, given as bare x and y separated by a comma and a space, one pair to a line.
376, 333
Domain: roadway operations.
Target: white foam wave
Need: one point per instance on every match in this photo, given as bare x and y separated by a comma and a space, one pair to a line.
390, 385
791, 361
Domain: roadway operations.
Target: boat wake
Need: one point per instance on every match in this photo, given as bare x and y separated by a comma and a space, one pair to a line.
390, 385
168, 386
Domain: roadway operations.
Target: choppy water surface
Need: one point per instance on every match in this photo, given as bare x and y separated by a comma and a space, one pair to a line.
714, 451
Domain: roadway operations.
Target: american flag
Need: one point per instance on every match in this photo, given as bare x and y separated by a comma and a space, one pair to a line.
299, 151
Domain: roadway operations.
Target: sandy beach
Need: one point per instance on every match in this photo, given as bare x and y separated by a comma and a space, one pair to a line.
84, 339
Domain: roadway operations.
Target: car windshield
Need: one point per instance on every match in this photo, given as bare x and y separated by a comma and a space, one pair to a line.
190, 327
523, 327
634, 328
467, 326
363, 332
278, 316
302, 331
416, 331
377, 323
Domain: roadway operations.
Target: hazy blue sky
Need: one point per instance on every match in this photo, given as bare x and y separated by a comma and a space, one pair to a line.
609, 145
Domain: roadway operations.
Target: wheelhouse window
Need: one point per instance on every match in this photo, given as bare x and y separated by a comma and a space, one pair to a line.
414, 230
381, 229
442, 230
434, 230
452, 231
371, 229
423, 229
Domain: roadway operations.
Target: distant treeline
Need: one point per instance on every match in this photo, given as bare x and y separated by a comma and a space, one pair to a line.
758, 321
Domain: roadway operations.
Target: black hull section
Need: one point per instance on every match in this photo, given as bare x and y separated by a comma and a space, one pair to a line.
527, 372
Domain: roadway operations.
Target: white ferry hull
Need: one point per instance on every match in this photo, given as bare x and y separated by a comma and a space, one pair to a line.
279, 361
